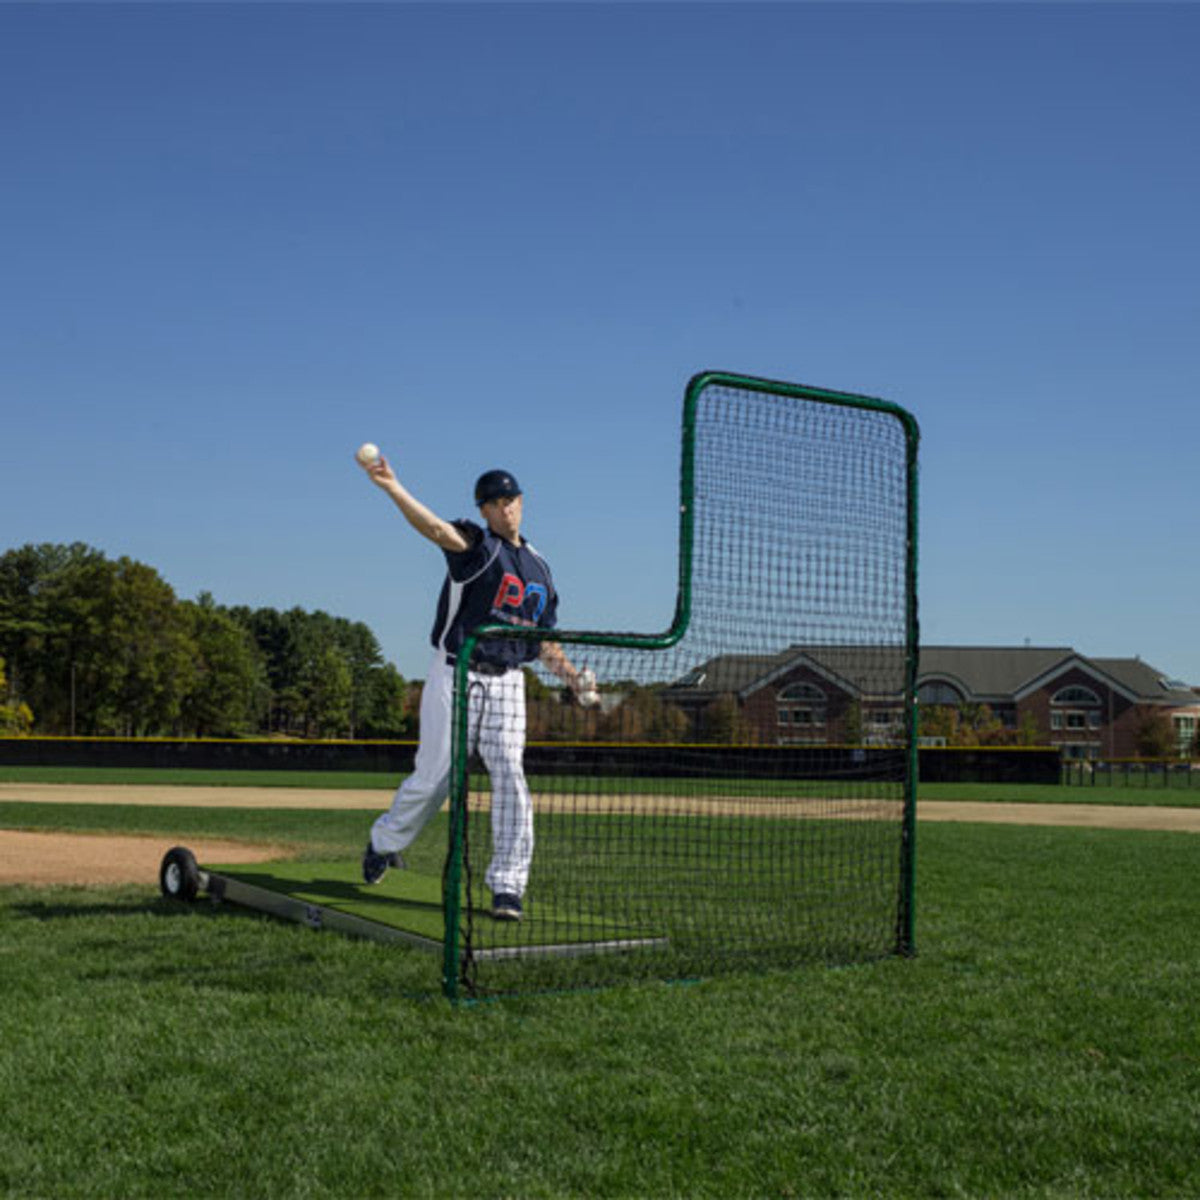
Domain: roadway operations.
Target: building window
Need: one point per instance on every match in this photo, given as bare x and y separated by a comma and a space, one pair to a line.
883, 726
1185, 734
936, 692
801, 704
1075, 708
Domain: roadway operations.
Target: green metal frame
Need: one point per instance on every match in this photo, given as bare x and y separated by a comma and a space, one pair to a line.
452, 887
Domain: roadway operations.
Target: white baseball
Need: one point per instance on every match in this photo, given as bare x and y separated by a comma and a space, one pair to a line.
586, 691
367, 454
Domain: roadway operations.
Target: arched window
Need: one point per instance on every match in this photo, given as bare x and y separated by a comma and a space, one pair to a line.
937, 692
801, 704
1075, 708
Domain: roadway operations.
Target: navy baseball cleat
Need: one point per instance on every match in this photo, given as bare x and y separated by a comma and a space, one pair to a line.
375, 865
506, 907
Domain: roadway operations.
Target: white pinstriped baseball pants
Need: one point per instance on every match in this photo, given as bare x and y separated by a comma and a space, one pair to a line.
496, 728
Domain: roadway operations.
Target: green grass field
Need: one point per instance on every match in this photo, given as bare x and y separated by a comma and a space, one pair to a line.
1043, 1043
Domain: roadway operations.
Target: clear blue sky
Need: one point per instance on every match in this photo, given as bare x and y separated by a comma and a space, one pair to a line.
238, 240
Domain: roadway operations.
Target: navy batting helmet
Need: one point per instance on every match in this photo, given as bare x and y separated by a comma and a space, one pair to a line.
492, 485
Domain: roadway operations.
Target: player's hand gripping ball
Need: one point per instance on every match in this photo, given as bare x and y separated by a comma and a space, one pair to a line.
367, 454
585, 688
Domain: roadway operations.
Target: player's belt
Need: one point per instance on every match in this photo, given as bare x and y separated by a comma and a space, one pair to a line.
481, 668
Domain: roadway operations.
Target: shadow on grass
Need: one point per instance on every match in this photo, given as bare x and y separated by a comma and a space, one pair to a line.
339, 890
36, 910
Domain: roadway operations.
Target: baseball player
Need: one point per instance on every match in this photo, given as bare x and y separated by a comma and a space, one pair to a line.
492, 575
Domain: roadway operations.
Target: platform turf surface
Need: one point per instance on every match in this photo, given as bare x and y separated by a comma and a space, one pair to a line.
411, 901
405, 900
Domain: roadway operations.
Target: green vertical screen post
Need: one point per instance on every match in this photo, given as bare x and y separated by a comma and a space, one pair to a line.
744, 795
907, 936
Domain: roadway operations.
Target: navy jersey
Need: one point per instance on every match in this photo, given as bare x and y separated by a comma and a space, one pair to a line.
494, 582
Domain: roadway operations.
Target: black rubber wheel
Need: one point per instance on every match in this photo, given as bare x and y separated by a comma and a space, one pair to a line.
179, 876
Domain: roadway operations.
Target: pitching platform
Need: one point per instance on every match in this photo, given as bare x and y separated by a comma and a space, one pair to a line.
406, 908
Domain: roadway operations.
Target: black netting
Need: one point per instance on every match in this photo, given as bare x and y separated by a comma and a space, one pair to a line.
737, 798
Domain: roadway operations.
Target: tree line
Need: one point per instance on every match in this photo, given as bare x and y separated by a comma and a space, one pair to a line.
98, 646
94, 646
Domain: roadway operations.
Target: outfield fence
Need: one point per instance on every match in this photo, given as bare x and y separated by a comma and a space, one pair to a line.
941, 764
1132, 772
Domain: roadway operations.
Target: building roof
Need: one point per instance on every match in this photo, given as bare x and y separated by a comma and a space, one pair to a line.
990, 670
866, 670
987, 673
1006, 671
1147, 680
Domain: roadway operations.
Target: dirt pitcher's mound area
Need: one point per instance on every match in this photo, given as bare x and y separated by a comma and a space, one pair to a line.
42, 859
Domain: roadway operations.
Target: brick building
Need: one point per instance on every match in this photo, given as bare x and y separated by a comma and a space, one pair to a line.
1089, 707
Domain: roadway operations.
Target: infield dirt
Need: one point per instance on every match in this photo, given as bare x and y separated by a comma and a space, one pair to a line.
74, 858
